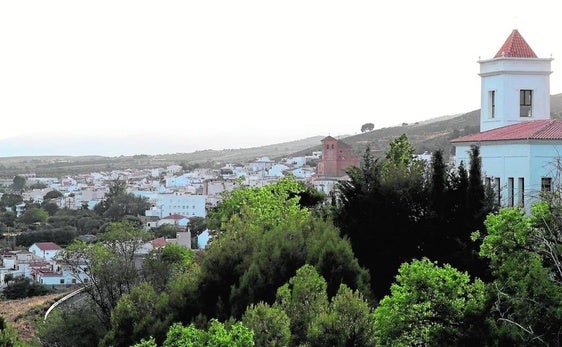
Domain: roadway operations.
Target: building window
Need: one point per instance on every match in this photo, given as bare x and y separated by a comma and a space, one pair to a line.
492, 98
510, 192
62, 281
546, 184
497, 190
525, 103
521, 192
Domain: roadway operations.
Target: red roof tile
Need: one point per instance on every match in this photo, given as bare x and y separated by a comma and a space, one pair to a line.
159, 242
545, 129
515, 47
49, 274
47, 246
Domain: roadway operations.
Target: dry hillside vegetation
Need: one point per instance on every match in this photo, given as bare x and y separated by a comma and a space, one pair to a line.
21, 314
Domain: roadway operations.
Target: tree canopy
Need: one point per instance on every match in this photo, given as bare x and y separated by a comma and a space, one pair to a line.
367, 127
429, 305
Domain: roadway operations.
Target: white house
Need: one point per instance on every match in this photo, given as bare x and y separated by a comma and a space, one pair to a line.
174, 219
174, 169
45, 250
325, 185
203, 239
178, 181
49, 278
217, 186
9, 260
277, 170
519, 143
261, 164
305, 173
296, 161
176, 203
183, 238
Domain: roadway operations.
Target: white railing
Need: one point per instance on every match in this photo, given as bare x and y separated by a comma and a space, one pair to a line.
63, 299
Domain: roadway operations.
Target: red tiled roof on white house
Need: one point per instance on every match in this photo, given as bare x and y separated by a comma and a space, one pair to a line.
515, 47
546, 129
159, 242
47, 246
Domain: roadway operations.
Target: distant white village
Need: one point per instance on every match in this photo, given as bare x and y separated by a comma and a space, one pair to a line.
175, 196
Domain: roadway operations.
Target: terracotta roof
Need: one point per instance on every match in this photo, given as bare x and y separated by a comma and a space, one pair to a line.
159, 242
515, 47
47, 246
49, 274
39, 264
545, 129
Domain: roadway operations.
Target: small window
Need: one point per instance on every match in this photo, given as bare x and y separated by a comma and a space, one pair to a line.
492, 98
510, 192
62, 281
497, 190
546, 184
521, 192
525, 103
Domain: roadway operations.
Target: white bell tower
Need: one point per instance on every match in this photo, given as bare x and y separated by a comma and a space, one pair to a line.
515, 85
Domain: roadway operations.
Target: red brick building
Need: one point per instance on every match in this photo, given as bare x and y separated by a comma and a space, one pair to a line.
336, 158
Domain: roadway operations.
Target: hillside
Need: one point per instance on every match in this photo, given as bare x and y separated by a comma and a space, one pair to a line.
67, 165
22, 313
427, 135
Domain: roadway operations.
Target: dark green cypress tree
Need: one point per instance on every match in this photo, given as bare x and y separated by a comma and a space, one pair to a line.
475, 186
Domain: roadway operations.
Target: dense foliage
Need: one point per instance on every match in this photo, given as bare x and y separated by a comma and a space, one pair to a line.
399, 209
407, 253
430, 305
524, 252
22, 287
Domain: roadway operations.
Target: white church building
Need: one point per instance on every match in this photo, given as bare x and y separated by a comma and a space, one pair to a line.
519, 143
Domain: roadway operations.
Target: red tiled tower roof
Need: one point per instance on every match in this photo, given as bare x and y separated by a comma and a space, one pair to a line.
515, 47
545, 129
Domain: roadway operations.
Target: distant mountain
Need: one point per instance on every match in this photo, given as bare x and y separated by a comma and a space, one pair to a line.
56, 165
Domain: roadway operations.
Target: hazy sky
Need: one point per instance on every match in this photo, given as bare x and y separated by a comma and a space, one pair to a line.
242, 73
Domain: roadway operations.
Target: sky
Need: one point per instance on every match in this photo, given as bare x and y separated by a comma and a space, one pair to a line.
234, 74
